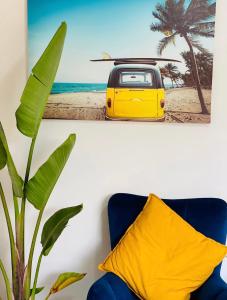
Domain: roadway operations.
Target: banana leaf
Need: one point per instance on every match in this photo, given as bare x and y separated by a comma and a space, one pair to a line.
55, 225
3, 156
17, 181
64, 280
40, 186
39, 84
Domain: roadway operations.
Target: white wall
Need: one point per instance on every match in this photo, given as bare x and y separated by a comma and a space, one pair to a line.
171, 160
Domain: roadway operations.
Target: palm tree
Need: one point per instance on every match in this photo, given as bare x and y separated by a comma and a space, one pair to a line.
171, 72
177, 78
191, 21
205, 67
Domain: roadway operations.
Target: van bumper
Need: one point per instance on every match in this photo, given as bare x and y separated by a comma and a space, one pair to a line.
162, 119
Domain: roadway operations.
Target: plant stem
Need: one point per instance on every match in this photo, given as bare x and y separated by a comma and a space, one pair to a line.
23, 204
7, 283
10, 232
48, 296
36, 276
16, 208
31, 253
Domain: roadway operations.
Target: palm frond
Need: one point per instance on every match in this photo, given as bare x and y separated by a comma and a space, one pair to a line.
159, 17
165, 42
158, 27
202, 33
212, 9
197, 4
199, 10
181, 3
171, 68
196, 44
180, 7
205, 25
162, 11
171, 13
204, 29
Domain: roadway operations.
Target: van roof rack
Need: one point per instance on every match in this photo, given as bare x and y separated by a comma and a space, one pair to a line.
144, 62
135, 60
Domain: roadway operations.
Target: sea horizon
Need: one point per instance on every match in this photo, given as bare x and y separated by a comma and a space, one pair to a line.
78, 87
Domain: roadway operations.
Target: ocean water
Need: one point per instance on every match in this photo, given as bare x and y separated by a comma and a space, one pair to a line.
62, 87
169, 86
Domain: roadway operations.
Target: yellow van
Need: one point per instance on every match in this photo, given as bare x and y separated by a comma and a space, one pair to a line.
135, 89
135, 92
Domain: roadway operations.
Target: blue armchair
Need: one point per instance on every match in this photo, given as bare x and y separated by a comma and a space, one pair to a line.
207, 215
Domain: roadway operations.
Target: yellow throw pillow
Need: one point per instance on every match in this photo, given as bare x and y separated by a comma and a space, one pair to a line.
161, 256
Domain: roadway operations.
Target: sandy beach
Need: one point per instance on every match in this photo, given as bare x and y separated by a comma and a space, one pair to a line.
182, 106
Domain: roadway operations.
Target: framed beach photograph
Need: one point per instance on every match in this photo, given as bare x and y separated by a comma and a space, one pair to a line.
147, 60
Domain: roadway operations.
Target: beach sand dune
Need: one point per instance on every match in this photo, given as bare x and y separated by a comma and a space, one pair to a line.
182, 105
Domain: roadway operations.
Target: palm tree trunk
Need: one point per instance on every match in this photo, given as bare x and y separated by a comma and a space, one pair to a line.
170, 76
196, 75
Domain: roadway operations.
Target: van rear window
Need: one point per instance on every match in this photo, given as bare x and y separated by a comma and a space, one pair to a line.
136, 78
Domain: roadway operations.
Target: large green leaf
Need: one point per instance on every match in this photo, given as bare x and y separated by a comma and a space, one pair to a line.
64, 280
55, 225
42, 183
3, 156
17, 181
39, 84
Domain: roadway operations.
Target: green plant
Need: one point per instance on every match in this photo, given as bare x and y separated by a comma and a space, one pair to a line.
37, 189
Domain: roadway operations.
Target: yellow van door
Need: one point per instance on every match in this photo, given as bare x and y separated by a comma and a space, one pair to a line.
136, 103
136, 95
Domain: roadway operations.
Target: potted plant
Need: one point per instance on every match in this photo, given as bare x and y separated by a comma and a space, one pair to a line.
37, 189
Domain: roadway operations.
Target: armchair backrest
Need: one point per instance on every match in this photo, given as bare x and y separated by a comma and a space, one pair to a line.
207, 215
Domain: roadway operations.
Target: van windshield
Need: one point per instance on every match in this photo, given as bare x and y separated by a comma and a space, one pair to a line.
136, 78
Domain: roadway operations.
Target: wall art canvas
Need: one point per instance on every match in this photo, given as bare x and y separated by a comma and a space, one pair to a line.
147, 60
